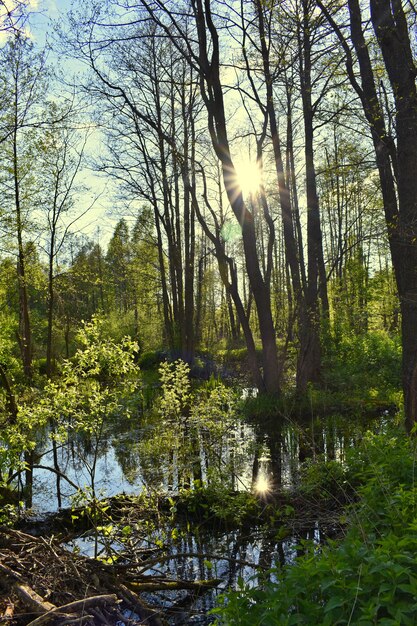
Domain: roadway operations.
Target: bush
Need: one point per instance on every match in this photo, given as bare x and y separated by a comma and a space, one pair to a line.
215, 502
371, 361
151, 359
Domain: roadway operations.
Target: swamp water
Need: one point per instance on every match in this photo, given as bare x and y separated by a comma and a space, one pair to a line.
128, 459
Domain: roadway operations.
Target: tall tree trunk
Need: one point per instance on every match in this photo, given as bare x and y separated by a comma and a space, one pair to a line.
391, 29
25, 326
189, 227
291, 184
309, 364
213, 97
50, 313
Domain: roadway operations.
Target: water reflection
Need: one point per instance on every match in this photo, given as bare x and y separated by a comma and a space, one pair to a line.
281, 447
228, 556
258, 457
249, 456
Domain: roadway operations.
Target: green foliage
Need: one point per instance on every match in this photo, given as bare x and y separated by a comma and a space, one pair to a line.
324, 480
215, 501
236, 359
117, 325
151, 358
264, 407
368, 362
8, 354
237, 355
175, 382
92, 387
102, 359
96, 514
183, 422
8, 514
370, 577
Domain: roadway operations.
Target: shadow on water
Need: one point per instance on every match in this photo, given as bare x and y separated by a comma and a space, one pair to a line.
254, 457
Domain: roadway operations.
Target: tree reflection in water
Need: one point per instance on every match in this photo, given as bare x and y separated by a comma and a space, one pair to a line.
262, 458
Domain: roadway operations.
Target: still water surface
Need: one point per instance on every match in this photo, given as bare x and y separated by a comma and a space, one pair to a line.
255, 457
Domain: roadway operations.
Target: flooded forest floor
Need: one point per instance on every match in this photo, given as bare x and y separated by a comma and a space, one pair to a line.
177, 495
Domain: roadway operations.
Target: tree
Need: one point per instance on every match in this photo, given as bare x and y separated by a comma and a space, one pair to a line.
146, 281
310, 361
205, 59
157, 145
290, 43
24, 78
391, 29
396, 157
61, 152
118, 259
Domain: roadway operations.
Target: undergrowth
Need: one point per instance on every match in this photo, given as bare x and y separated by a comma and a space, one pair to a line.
367, 364
360, 374
369, 577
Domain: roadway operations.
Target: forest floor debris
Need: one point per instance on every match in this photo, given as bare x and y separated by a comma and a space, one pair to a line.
42, 583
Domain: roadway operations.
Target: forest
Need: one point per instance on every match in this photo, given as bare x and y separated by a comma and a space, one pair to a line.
208, 312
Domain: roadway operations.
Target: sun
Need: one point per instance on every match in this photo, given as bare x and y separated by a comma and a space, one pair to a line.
249, 177
262, 485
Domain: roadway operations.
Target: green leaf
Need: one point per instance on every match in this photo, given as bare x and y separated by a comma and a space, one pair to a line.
334, 603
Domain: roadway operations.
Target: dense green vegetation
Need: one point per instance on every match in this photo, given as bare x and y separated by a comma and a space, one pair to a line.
208, 275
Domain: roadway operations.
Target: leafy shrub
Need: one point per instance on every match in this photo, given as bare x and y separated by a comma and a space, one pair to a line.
93, 387
215, 501
321, 479
365, 370
371, 360
151, 359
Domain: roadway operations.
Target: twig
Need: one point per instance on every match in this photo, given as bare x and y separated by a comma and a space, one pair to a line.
10, 572
76, 620
101, 617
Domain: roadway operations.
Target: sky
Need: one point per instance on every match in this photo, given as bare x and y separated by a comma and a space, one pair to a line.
100, 220
97, 223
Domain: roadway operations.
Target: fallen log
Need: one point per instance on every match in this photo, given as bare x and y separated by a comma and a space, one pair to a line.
10, 572
33, 600
162, 585
73, 607
146, 613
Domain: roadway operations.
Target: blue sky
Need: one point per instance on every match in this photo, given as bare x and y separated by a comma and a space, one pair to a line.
101, 219
98, 218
